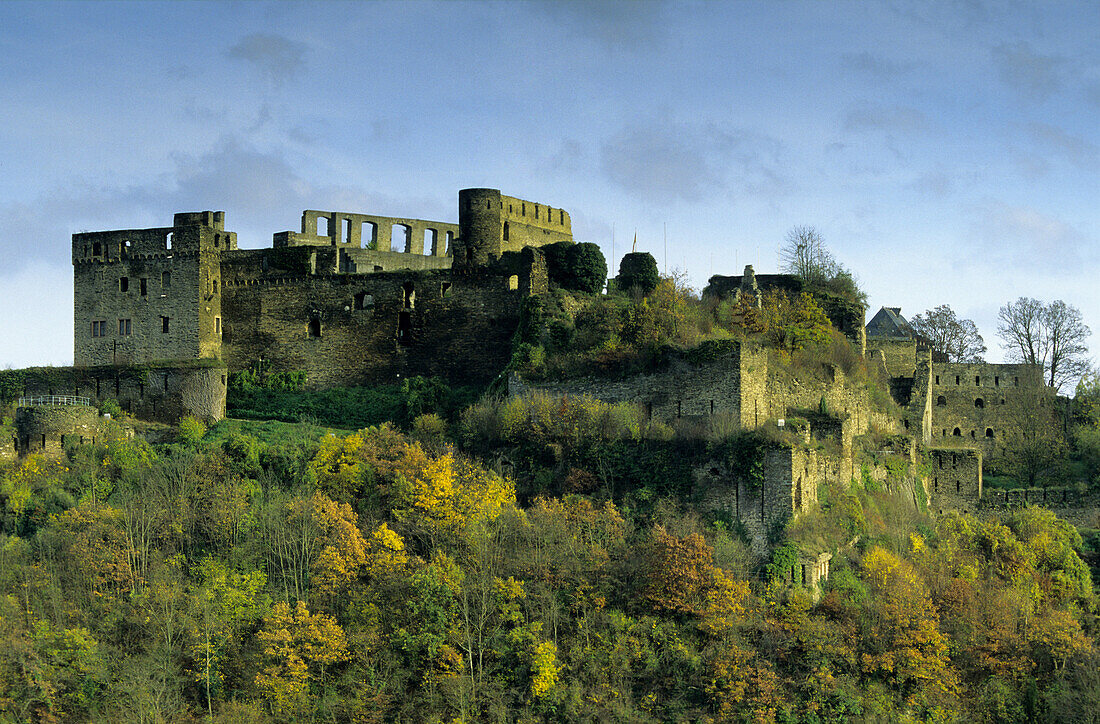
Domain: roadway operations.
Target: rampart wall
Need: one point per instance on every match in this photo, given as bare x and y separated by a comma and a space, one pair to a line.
47, 429
164, 393
733, 385
371, 233
956, 478
491, 224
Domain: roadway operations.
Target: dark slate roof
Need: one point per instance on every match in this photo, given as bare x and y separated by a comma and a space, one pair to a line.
889, 324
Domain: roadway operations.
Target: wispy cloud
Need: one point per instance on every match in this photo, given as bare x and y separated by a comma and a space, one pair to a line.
1025, 237
1035, 76
639, 25
669, 162
895, 119
1077, 150
874, 65
276, 57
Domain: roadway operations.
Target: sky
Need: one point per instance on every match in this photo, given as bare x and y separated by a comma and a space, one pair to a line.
948, 153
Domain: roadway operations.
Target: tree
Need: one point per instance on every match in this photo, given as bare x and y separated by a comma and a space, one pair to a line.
637, 269
805, 255
957, 338
1052, 335
587, 268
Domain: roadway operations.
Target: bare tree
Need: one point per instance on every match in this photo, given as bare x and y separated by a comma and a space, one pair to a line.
804, 254
1052, 335
957, 338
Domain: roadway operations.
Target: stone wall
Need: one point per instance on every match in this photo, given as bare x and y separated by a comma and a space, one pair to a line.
955, 478
46, 429
899, 356
491, 224
153, 393
732, 385
350, 231
980, 405
1081, 508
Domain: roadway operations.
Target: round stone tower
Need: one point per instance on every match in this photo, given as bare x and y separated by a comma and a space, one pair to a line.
480, 229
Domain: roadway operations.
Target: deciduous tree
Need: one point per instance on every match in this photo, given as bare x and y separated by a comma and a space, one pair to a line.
1052, 335
956, 338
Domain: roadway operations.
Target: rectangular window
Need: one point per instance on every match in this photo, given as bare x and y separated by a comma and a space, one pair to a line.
217, 325
124, 328
165, 279
164, 325
144, 290
99, 329
124, 284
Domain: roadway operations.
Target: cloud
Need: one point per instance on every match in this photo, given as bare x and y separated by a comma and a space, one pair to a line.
874, 65
934, 184
637, 25
1034, 76
1027, 238
1077, 150
276, 57
898, 118
668, 162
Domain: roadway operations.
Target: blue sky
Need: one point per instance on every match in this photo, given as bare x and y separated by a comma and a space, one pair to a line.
949, 153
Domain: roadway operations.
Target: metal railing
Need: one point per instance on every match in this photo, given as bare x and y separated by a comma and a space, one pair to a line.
48, 400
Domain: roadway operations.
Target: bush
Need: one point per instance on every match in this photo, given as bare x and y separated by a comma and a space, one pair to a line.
586, 268
191, 431
637, 270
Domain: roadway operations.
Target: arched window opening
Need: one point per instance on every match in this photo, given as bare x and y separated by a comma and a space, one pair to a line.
431, 238
979, 403
399, 238
408, 295
941, 401
404, 328
989, 432
167, 242
368, 239
322, 226
956, 432
513, 283
315, 327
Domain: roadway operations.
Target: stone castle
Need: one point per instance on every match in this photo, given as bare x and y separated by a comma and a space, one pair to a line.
162, 315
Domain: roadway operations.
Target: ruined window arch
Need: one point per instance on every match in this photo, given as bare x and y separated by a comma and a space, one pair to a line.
346, 235
513, 282
956, 432
368, 237
400, 238
431, 238
322, 230
363, 300
989, 432
979, 403
408, 295
941, 401
315, 327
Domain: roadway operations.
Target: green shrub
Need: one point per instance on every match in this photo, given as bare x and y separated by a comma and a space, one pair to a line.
637, 270
190, 431
586, 268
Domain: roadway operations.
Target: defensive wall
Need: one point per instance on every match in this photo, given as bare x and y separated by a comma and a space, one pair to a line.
351, 231
46, 424
160, 393
491, 224
346, 329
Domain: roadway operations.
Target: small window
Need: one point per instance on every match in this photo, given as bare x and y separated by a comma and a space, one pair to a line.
979, 403
408, 295
937, 379
99, 329
404, 328
218, 325
164, 325
996, 381
315, 327
124, 284
977, 381
956, 432
536, 212
217, 240
144, 287
168, 242
124, 328
523, 209
444, 290
97, 249
941, 401
958, 380
506, 231
989, 432
213, 286
513, 282
1015, 381
165, 279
